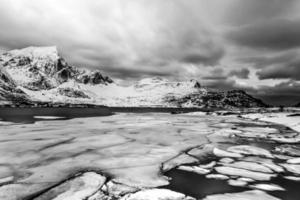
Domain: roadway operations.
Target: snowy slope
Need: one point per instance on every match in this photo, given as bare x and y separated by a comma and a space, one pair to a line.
115, 95
8, 92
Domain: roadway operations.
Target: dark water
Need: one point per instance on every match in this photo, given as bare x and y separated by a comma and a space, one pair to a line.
199, 186
27, 115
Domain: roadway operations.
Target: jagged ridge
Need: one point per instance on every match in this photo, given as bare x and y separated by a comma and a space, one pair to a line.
41, 68
39, 74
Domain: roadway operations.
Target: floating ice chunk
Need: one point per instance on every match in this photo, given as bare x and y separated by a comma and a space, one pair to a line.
267, 187
292, 168
289, 140
117, 189
231, 171
198, 113
250, 150
48, 117
274, 167
179, 160
222, 153
292, 178
5, 171
252, 166
208, 165
238, 183
248, 195
156, 194
99, 195
6, 179
217, 176
78, 188
288, 150
194, 169
249, 180
282, 157
226, 160
201, 153
294, 161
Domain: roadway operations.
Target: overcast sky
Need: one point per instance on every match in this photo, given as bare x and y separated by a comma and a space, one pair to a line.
248, 44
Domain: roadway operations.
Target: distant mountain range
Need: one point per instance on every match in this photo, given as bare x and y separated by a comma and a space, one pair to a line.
38, 75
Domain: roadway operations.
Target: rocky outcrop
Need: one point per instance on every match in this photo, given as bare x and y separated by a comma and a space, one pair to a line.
234, 98
9, 93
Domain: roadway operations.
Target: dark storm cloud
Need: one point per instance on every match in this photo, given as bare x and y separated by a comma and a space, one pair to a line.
263, 61
284, 65
138, 35
240, 73
276, 34
288, 70
216, 74
217, 42
210, 59
252, 11
286, 93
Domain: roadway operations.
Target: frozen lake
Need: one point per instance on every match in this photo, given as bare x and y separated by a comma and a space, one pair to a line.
127, 154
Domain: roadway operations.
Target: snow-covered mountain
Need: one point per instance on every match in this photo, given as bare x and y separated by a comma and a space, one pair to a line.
38, 68
9, 93
42, 75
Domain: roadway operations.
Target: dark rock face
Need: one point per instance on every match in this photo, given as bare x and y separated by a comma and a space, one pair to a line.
239, 98
9, 92
95, 78
234, 98
297, 105
70, 92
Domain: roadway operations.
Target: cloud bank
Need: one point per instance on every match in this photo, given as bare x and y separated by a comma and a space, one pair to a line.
227, 44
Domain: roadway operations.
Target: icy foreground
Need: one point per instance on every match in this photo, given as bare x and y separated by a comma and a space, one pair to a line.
124, 157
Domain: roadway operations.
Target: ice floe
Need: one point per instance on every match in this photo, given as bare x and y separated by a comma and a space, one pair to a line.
195, 169
78, 188
249, 166
267, 187
117, 190
248, 195
292, 178
208, 165
232, 171
221, 153
48, 117
292, 168
249, 180
226, 160
294, 161
156, 194
279, 118
178, 160
250, 150
237, 183
217, 176
6, 180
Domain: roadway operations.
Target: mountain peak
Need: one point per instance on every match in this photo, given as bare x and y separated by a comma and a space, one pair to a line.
152, 80
49, 52
37, 68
